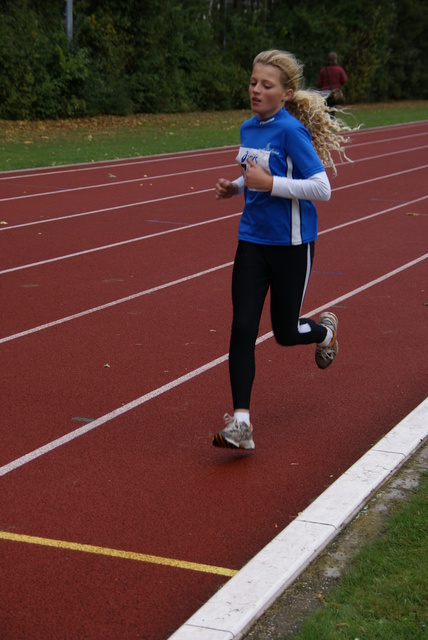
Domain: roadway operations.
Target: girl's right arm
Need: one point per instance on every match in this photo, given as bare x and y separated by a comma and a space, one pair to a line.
226, 188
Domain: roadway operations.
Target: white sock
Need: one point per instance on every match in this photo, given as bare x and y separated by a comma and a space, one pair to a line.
327, 339
242, 416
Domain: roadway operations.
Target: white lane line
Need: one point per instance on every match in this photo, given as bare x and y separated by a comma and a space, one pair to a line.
115, 183
372, 215
179, 281
115, 302
385, 140
377, 178
119, 244
191, 226
29, 457
404, 126
109, 416
106, 209
112, 164
194, 193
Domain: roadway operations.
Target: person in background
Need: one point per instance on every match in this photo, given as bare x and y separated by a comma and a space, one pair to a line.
284, 149
332, 76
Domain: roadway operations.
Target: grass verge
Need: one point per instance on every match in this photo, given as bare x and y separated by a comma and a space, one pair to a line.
25, 144
383, 595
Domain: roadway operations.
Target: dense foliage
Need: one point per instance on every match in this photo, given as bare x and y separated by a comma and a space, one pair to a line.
154, 56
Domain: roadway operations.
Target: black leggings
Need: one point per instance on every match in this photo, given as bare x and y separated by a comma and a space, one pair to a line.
286, 271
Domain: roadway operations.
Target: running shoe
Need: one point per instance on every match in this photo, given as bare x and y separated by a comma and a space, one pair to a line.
324, 356
235, 435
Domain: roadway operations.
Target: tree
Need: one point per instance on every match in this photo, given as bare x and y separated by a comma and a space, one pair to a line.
189, 55
407, 73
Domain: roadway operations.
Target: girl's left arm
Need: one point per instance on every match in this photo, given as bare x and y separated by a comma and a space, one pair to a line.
317, 187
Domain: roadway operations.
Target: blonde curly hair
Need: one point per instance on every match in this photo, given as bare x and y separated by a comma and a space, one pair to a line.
309, 107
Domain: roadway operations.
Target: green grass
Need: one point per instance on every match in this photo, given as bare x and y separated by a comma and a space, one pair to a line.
383, 595
389, 113
48, 143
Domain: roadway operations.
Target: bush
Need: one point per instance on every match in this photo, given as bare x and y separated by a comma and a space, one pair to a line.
174, 56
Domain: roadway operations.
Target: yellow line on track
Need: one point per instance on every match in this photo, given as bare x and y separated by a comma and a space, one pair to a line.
117, 553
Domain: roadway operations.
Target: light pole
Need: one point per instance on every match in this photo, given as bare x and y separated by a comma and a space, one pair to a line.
69, 18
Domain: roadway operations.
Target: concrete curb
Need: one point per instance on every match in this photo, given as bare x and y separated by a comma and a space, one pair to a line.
229, 614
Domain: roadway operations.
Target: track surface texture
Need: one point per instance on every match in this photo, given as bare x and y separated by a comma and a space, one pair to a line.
118, 519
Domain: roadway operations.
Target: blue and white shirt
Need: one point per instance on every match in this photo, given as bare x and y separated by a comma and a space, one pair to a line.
282, 146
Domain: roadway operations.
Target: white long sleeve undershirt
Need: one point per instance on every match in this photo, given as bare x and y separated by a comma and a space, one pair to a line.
317, 187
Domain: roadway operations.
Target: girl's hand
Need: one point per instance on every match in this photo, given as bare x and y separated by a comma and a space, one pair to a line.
257, 178
225, 189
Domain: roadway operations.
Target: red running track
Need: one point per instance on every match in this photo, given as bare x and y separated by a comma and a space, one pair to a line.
118, 517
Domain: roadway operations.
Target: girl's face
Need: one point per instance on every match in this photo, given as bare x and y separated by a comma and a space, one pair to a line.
267, 95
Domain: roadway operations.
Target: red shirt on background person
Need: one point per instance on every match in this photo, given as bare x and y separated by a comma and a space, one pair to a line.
332, 76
